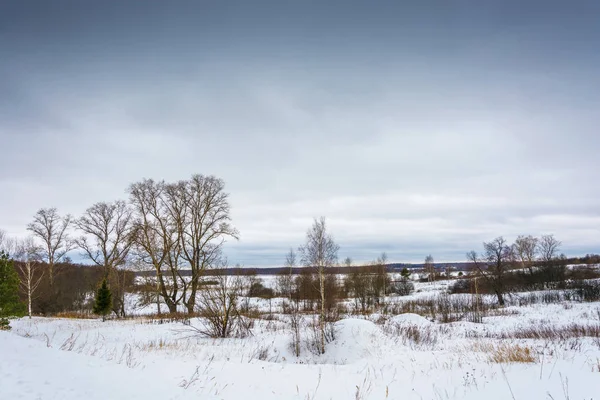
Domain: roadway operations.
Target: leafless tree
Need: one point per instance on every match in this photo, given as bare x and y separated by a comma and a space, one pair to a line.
381, 280
107, 234
201, 214
286, 287
51, 228
549, 247
30, 269
347, 262
553, 270
429, 268
285, 279
525, 249
157, 242
7, 243
296, 322
319, 252
107, 239
358, 285
3, 238
497, 259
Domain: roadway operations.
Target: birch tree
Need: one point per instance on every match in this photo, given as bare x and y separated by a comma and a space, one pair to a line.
30, 269
319, 252
51, 228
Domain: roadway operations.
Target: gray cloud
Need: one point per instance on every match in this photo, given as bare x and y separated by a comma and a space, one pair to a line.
415, 130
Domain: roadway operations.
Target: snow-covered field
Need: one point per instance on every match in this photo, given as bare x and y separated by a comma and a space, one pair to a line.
397, 357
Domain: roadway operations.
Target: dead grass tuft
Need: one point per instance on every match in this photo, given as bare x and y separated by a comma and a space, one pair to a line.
506, 353
554, 333
75, 315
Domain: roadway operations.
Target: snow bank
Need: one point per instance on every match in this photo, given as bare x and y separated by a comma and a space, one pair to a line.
411, 319
30, 370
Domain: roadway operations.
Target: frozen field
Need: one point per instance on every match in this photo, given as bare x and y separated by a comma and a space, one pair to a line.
540, 351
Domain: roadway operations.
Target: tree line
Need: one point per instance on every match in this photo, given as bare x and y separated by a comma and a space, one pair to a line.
166, 227
174, 232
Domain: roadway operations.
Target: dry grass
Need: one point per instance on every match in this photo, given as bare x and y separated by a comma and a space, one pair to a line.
157, 345
554, 333
506, 353
75, 315
421, 337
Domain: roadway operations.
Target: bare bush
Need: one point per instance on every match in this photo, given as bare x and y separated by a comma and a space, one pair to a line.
296, 323
219, 307
418, 337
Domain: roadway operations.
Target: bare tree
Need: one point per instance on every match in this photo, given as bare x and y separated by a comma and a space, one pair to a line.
429, 268
319, 252
107, 239
285, 279
30, 269
200, 211
549, 247
347, 262
7, 243
51, 228
381, 280
3, 238
157, 240
525, 249
497, 260
358, 285
553, 270
107, 234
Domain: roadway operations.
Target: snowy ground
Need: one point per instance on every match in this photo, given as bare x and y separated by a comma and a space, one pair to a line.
371, 358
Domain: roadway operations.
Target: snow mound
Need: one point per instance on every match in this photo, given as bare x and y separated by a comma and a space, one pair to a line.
355, 340
410, 319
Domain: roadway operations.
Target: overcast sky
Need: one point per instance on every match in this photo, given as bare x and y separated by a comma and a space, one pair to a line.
413, 129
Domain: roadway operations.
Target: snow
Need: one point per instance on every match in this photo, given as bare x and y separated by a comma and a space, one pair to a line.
410, 319
52, 358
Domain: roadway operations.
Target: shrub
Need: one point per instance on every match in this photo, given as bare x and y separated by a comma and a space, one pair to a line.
257, 289
402, 288
460, 286
586, 290
10, 305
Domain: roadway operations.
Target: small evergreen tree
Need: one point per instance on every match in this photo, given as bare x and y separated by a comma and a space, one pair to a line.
405, 273
103, 302
10, 304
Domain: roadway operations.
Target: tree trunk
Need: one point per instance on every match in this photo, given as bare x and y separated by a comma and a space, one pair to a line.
51, 273
322, 319
191, 301
158, 297
29, 298
500, 298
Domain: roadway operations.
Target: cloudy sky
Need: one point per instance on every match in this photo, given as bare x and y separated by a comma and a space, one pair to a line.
415, 129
